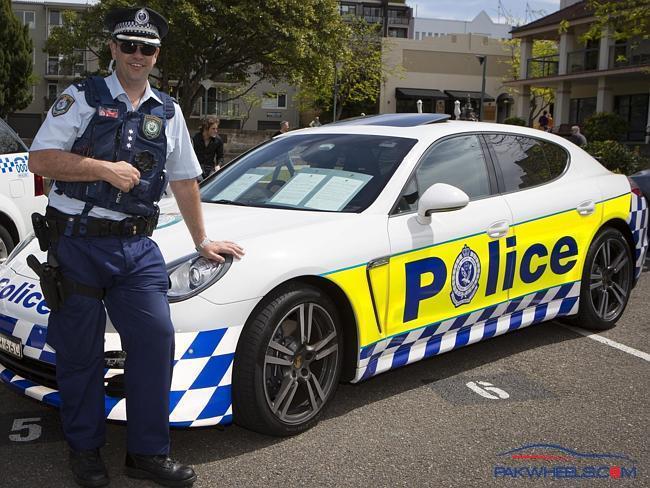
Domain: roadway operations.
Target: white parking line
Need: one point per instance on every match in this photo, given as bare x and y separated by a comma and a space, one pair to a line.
609, 342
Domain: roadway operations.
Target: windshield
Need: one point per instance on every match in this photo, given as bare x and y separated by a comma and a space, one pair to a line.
326, 172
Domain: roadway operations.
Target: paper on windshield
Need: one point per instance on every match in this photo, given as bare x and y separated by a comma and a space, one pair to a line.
335, 193
243, 183
297, 188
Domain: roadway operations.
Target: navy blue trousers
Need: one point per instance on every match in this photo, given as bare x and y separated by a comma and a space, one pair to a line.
132, 270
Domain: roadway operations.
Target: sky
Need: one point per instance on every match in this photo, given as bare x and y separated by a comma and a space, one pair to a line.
468, 9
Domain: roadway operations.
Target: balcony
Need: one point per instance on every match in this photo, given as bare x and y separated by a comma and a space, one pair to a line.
373, 20
583, 60
542, 66
629, 54
398, 20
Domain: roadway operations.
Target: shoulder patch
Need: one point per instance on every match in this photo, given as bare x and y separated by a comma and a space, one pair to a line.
62, 105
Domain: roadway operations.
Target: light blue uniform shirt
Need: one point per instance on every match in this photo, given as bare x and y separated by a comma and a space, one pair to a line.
62, 131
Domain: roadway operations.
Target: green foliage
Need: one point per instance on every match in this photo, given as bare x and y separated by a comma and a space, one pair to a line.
615, 156
515, 121
241, 42
626, 19
356, 67
605, 126
541, 98
15, 62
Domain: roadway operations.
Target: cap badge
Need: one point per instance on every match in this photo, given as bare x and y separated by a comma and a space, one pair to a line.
142, 16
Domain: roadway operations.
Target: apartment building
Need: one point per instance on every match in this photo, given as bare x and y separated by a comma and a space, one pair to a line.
481, 24
601, 76
395, 17
51, 74
439, 71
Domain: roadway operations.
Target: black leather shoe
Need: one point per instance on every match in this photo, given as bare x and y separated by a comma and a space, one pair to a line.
161, 469
88, 468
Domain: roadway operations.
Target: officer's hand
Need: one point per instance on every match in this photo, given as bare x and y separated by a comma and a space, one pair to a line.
212, 250
123, 175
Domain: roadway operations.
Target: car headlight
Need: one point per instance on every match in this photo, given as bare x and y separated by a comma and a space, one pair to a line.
192, 274
19, 248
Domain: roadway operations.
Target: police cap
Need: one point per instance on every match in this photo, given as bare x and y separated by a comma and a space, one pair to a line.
139, 24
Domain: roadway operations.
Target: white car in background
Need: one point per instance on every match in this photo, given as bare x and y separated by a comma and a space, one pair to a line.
370, 244
21, 192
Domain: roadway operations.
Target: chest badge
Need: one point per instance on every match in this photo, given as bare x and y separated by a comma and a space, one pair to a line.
465, 276
151, 126
62, 105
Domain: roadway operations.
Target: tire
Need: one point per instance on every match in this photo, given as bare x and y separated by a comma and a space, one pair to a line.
606, 281
282, 382
6, 244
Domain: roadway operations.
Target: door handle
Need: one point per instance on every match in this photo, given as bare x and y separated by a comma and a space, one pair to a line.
586, 208
498, 229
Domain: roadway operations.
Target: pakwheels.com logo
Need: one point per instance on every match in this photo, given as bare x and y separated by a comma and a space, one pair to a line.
557, 462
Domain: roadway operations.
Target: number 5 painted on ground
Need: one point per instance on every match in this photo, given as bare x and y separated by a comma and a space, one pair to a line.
485, 388
33, 430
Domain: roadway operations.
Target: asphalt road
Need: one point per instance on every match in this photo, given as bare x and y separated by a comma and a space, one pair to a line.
420, 425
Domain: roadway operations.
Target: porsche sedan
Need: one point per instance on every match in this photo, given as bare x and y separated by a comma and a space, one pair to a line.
370, 244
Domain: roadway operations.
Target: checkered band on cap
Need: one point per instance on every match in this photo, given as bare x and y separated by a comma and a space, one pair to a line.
132, 27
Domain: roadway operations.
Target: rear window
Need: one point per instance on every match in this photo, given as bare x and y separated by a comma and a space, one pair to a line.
526, 161
9, 141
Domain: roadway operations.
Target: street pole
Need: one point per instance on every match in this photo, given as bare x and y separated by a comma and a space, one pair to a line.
336, 89
483, 61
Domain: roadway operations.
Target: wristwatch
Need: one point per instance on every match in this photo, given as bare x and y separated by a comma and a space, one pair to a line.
202, 244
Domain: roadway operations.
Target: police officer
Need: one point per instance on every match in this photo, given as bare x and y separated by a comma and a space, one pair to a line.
111, 144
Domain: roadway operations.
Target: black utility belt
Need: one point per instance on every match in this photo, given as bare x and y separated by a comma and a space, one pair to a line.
59, 224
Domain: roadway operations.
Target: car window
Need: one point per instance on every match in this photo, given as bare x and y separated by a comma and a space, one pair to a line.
9, 142
326, 172
525, 161
458, 161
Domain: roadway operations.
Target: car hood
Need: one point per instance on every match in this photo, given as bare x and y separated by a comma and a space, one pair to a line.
251, 227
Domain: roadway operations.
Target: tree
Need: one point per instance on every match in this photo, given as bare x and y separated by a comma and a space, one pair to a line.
356, 70
626, 19
15, 62
240, 42
542, 97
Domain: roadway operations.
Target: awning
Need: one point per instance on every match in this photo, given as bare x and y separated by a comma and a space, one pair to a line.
417, 93
474, 95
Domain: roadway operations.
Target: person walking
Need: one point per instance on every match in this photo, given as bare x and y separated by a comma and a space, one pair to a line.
315, 122
543, 121
110, 144
208, 146
577, 137
284, 127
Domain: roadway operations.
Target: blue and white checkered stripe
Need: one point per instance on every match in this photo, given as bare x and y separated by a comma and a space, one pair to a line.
638, 222
434, 339
201, 384
31, 335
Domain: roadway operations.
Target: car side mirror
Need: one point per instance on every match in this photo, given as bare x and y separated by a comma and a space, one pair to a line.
440, 197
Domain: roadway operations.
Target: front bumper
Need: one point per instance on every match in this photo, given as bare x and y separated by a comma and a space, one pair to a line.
203, 360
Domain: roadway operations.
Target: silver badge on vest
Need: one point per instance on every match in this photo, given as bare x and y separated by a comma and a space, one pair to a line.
151, 126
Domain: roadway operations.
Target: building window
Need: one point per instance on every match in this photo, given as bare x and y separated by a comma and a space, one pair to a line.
54, 19
28, 17
401, 33
217, 103
417, 36
634, 110
580, 109
274, 100
53, 91
347, 9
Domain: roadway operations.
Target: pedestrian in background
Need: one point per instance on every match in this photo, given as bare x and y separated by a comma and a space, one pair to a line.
315, 122
284, 127
550, 123
111, 144
208, 146
543, 121
577, 137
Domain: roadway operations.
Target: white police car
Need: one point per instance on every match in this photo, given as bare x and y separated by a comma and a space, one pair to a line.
370, 244
21, 192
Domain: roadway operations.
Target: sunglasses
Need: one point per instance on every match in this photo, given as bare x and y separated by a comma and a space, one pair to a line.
131, 47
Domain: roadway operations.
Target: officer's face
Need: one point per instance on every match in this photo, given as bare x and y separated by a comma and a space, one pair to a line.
132, 68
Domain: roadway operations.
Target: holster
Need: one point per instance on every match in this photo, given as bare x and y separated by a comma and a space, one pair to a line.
51, 282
